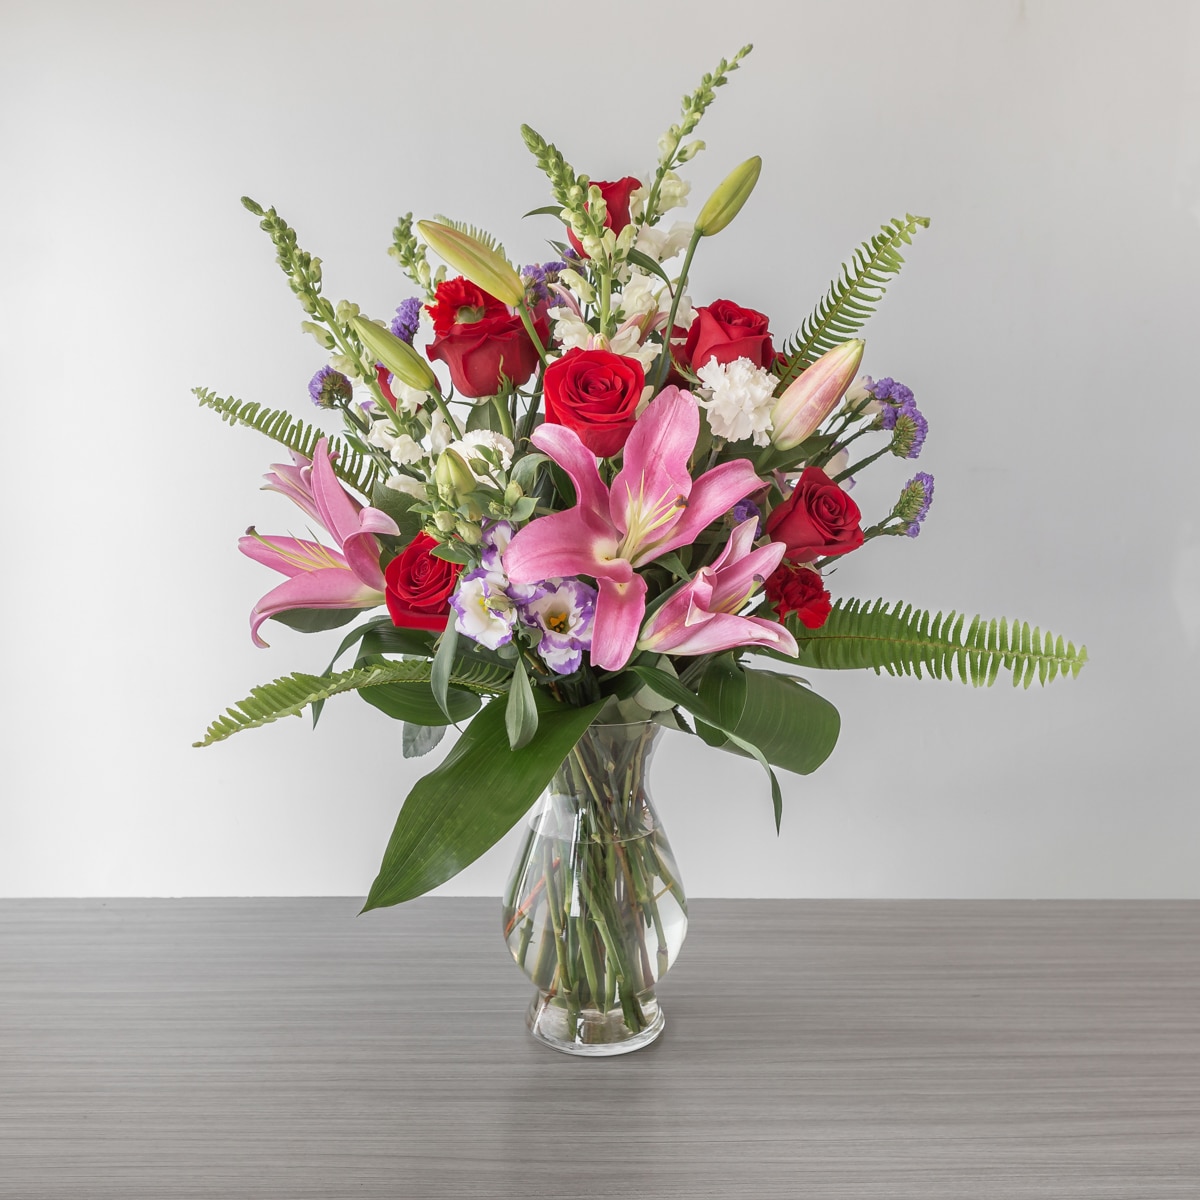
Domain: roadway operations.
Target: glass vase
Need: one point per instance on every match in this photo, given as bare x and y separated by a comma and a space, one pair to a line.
594, 912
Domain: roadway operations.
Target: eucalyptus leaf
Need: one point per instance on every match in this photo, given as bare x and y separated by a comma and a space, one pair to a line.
473, 798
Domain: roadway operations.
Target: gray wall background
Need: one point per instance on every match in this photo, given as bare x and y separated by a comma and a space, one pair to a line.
1047, 322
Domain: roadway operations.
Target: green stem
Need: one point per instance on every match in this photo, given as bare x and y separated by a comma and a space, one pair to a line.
506, 423
862, 462
527, 321
665, 368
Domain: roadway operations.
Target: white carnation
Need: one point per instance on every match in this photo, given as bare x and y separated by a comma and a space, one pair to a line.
742, 396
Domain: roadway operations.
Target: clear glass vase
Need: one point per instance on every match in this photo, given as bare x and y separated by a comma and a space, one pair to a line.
594, 912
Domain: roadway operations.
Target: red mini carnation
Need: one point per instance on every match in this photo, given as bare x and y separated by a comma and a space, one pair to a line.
460, 302
792, 588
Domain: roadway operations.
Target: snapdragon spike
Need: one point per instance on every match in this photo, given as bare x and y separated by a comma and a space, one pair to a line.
653, 506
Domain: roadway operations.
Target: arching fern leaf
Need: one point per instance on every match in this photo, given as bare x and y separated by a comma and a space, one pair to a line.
852, 296
290, 695
903, 640
349, 465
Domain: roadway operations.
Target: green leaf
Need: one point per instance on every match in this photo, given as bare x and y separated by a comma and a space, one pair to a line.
314, 620
418, 740
398, 506
645, 263
795, 728
674, 564
443, 664
414, 702
903, 640
451, 553
520, 715
547, 210
473, 798
525, 470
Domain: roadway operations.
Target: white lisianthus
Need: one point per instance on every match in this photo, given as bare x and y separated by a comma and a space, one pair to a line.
406, 484
741, 398
482, 611
860, 398
408, 399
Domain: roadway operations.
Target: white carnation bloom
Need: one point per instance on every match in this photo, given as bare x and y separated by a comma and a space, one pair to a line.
742, 396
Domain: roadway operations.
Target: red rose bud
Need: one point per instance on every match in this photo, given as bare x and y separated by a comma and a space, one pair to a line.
800, 590
479, 340
817, 519
595, 393
616, 197
725, 331
419, 586
814, 394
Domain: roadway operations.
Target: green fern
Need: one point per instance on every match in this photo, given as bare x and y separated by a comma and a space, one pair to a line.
290, 695
480, 235
852, 296
348, 464
903, 640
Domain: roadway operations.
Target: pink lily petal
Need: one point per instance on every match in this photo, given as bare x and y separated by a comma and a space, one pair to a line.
737, 582
619, 611
332, 587
563, 445
713, 494
654, 473
338, 511
290, 556
578, 541
722, 631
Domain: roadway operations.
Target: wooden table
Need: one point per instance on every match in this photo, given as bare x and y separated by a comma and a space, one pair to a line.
875, 1050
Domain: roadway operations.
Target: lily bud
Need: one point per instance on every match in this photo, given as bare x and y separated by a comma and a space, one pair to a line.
726, 202
453, 477
482, 266
397, 355
814, 394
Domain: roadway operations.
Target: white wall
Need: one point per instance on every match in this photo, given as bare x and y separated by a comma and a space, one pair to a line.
1047, 322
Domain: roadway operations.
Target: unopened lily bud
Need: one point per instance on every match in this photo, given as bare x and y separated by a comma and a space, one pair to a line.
484, 267
453, 477
814, 394
395, 354
726, 202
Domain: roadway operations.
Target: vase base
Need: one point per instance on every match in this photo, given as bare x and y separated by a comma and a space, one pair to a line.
591, 1033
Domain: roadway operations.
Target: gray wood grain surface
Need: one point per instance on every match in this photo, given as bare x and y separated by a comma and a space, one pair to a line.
880, 1051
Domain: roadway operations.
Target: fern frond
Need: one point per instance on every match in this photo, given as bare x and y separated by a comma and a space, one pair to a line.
349, 465
852, 296
480, 235
903, 640
291, 694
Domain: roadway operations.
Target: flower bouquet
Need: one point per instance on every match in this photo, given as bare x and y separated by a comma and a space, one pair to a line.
591, 510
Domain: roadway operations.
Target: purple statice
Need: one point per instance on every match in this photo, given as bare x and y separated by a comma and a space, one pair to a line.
562, 614
329, 388
888, 389
909, 430
743, 510
914, 502
407, 320
538, 281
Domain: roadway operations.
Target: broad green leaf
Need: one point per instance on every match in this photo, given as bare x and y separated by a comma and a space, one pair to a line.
548, 210
443, 664
472, 799
414, 702
520, 714
314, 620
398, 506
645, 263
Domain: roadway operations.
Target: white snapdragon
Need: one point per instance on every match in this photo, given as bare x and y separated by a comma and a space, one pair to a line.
628, 343
400, 448
406, 484
571, 331
663, 244
467, 449
672, 192
408, 399
439, 435
741, 398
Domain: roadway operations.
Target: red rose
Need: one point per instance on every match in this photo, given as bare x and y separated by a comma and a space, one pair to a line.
419, 586
726, 331
616, 198
480, 341
817, 519
595, 393
800, 590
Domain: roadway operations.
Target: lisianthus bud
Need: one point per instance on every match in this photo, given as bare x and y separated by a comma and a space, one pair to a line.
398, 356
444, 521
484, 267
813, 394
453, 477
726, 202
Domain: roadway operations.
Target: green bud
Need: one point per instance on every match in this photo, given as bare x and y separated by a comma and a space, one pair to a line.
484, 267
513, 493
252, 206
726, 202
453, 477
444, 521
469, 532
398, 356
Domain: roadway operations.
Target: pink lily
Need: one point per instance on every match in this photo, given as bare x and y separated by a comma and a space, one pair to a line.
318, 576
654, 506
701, 618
